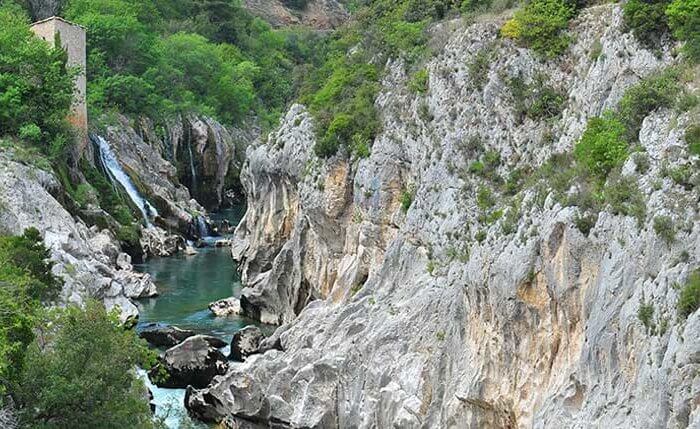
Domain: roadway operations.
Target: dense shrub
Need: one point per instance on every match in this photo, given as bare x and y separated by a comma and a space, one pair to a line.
684, 20
689, 299
645, 314
419, 82
36, 89
654, 92
647, 20
603, 145
541, 25
536, 100
692, 138
664, 228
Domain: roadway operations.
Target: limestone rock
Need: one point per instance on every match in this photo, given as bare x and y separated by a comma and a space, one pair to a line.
226, 307
85, 259
246, 342
161, 335
194, 362
436, 317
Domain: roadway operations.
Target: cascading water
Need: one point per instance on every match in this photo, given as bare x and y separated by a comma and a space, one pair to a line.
193, 172
114, 170
202, 228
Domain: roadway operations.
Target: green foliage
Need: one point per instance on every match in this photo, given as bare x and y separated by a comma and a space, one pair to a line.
684, 20
36, 89
81, 373
536, 100
645, 314
212, 57
655, 92
478, 68
25, 281
625, 198
647, 20
485, 198
419, 82
541, 25
602, 146
406, 198
689, 299
664, 228
692, 138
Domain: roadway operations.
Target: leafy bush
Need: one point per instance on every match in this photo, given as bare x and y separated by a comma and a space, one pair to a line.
692, 138
684, 20
625, 198
536, 100
478, 69
407, 199
655, 92
602, 146
541, 25
419, 82
664, 228
81, 373
484, 198
647, 20
645, 314
689, 299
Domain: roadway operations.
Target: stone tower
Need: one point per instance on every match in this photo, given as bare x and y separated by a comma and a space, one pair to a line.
72, 38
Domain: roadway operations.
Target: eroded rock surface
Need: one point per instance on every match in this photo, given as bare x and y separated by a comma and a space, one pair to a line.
88, 260
246, 342
441, 316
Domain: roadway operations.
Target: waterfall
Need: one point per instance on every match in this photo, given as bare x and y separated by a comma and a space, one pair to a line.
193, 173
116, 174
202, 229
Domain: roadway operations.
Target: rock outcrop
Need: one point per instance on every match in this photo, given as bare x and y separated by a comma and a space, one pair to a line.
246, 342
318, 14
406, 302
88, 260
161, 335
225, 307
194, 362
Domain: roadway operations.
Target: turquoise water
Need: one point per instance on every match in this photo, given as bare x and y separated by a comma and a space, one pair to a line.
186, 286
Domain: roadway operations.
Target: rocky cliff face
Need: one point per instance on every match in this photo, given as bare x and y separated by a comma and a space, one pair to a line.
88, 260
318, 14
445, 315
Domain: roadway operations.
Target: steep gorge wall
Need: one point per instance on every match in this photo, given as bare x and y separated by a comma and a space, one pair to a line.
437, 317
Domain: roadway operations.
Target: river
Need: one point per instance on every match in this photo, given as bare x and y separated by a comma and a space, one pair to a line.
186, 286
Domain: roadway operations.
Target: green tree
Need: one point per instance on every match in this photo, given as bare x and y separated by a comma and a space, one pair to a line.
36, 89
80, 373
25, 281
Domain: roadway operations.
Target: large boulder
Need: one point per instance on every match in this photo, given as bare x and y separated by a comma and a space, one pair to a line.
194, 362
246, 342
225, 307
161, 335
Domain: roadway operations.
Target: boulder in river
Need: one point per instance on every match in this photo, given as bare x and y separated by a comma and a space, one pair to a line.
194, 362
246, 342
161, 335
226, 307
